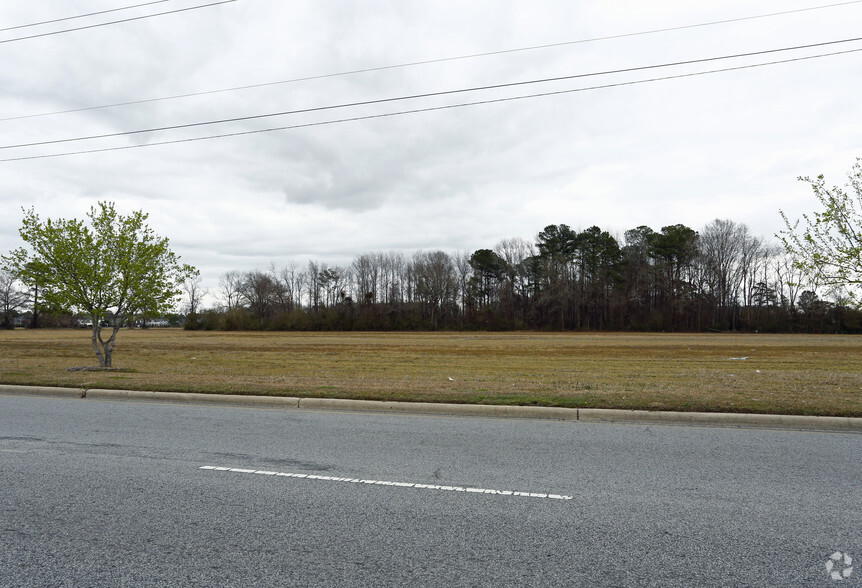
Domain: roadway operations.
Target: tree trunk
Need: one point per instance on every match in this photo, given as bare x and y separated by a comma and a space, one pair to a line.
34, 321
96, 338
104, 349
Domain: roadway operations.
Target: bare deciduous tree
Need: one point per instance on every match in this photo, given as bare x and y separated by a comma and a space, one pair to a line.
230, 284
258, 292
436, 284
194, 293
12, 297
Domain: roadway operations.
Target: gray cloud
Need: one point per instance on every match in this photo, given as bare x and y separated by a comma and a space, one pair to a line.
728, 145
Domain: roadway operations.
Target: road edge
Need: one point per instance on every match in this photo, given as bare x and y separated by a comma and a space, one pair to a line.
587, 415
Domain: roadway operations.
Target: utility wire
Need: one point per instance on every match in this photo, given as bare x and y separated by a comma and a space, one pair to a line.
432, 108
427, 95
44, 22
428, 62
103, 24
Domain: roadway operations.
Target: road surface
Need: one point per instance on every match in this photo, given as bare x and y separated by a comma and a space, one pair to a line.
108, 493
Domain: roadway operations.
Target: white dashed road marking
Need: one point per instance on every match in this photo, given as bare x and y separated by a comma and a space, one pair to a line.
386, 483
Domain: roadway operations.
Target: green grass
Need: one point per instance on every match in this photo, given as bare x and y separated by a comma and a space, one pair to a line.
784, 374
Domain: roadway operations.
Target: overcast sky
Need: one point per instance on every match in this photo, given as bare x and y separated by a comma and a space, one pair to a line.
686, 150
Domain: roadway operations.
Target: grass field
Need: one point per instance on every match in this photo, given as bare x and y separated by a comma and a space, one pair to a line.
787, 374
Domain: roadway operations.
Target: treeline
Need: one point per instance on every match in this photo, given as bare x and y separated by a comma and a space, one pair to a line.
720, 278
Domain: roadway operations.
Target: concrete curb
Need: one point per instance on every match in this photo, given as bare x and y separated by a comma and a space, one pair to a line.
11, 390
489, 410
722, 419
587, 415
193, 398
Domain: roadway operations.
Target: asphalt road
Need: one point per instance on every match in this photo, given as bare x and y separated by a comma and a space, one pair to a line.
107, 493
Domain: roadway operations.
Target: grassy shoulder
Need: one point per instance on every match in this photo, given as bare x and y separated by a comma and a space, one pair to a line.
779, 374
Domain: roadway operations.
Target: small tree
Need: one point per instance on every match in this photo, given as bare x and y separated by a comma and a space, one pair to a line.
829, 247
113, 269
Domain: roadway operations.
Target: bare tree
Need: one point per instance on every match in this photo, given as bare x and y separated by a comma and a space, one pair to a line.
366, 271
281, 299
332, 282
258, 292
194, 293
313, 277
230, 285
393, 277
12, 297
436, 284
516, 251
721, 246
291, 284
728, 250
792, 280
464, 272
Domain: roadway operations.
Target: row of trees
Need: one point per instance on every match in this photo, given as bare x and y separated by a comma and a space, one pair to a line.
721, 277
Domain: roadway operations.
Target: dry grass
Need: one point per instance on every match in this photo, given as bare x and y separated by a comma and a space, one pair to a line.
693, 372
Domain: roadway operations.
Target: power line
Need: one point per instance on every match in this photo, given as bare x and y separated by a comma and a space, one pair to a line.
44, 22
431, 61
428, 95
103, 24
432, 108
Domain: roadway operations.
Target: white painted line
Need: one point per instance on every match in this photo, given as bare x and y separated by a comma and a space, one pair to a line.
387, 483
